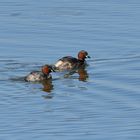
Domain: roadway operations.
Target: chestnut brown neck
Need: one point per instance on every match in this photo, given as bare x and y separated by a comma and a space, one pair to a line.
81, 56
46, 70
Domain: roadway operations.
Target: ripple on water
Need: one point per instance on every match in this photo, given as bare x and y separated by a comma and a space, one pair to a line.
99, 102
107, 100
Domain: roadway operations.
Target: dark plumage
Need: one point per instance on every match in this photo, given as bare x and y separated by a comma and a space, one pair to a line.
69, 62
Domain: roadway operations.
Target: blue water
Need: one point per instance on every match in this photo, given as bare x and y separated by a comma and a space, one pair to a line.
103, 102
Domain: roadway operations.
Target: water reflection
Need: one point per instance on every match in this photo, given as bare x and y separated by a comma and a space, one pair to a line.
82, 74
47, 85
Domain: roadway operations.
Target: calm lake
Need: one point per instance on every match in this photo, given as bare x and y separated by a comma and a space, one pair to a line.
99, 102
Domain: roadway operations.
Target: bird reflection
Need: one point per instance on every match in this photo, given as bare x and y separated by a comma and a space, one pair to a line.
47, 85
82, 72
83, 75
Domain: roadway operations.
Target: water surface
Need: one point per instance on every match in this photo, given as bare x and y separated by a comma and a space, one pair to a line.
99, 102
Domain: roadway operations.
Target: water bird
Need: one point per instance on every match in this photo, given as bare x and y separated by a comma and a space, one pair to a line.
70, 63
37, 76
